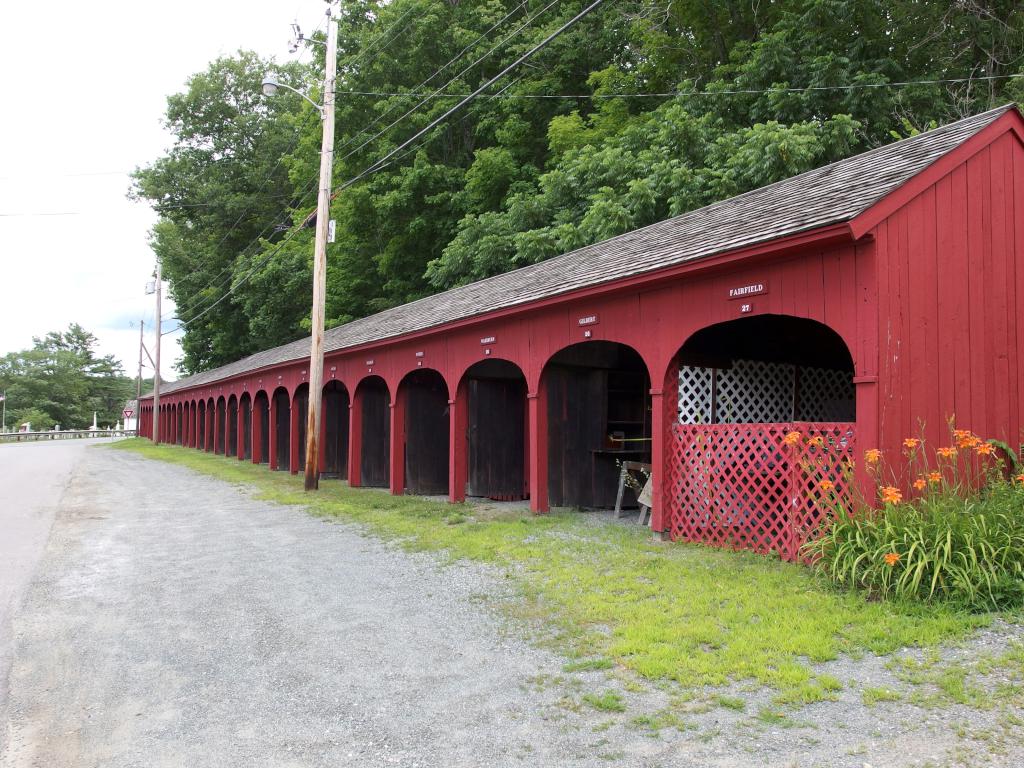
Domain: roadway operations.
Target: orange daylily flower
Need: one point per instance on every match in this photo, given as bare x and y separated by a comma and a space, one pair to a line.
947, 452
791, 438
1020, 478
985, 449
934, 477
961, 434
816, 441
969, 442
826, 485
872, 456
891, 558
919, 484
911, 443
891, 495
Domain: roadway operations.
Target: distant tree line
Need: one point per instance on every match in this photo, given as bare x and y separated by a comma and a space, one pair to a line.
768, 89
61, 380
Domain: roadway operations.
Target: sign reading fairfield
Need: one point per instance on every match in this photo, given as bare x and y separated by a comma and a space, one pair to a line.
743, 291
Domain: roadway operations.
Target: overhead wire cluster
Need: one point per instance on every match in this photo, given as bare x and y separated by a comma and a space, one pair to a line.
377, 48
390, 156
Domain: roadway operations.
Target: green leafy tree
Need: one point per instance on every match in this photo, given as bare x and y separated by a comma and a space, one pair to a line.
766, 90
222, 191
62, 377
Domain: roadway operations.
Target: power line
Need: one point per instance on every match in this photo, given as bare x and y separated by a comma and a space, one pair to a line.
469, 97
665, 94
66, 175
445, 66
310, 184
382, 162
495, 47
235, 285
675, 94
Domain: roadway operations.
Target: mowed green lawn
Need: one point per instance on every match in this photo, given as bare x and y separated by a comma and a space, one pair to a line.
609, 595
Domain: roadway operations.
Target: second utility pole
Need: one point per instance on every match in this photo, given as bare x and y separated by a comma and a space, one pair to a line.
138, 384
323, 215
156, 363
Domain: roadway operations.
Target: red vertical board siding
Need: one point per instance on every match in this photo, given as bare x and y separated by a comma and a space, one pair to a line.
987, 294
927, 286
997, 308
973, 418
950, 329
956, 318
999, 341
1015, 236
1011, 287
946, 286
882, 256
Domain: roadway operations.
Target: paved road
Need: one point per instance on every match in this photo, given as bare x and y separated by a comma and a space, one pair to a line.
32, 479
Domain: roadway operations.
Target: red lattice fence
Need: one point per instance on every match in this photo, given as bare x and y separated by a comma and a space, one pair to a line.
745, 486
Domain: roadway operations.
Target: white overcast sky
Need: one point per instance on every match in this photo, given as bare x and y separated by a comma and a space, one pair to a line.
85, 87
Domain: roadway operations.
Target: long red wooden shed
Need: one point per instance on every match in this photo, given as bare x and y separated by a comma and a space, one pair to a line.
853, 303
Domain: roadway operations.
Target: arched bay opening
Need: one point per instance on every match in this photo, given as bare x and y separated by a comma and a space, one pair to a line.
599, 416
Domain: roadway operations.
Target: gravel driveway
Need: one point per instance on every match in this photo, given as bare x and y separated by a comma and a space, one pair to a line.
176, 621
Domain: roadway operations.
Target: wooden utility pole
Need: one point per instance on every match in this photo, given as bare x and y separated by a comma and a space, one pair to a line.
156, 363
323, 215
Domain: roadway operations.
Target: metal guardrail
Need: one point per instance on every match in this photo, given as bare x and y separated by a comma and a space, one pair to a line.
64, 434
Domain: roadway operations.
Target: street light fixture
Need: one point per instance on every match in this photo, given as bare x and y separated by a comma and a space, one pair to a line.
271, 85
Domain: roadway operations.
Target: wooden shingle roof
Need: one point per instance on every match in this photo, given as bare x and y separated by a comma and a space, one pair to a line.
832, 194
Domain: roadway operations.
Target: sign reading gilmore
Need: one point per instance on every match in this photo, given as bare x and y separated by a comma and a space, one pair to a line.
742, 291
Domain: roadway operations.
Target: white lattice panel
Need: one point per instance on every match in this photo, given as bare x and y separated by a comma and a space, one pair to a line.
695, 388
825, 395
754, 392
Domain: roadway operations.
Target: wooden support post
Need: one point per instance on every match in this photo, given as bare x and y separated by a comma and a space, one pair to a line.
355, 439
240, 429
211, 426
866, 432
664, 413
272, 458
396, 477
257, 434
322, 442
538, 431
659, 459
217, 426
458, 455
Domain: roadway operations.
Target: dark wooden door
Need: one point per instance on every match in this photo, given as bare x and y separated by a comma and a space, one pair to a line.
426, 438
497, 418
302, 407
263, 411
376, 437
576, 404
246, 429
336, 433
233, 429
283, 429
